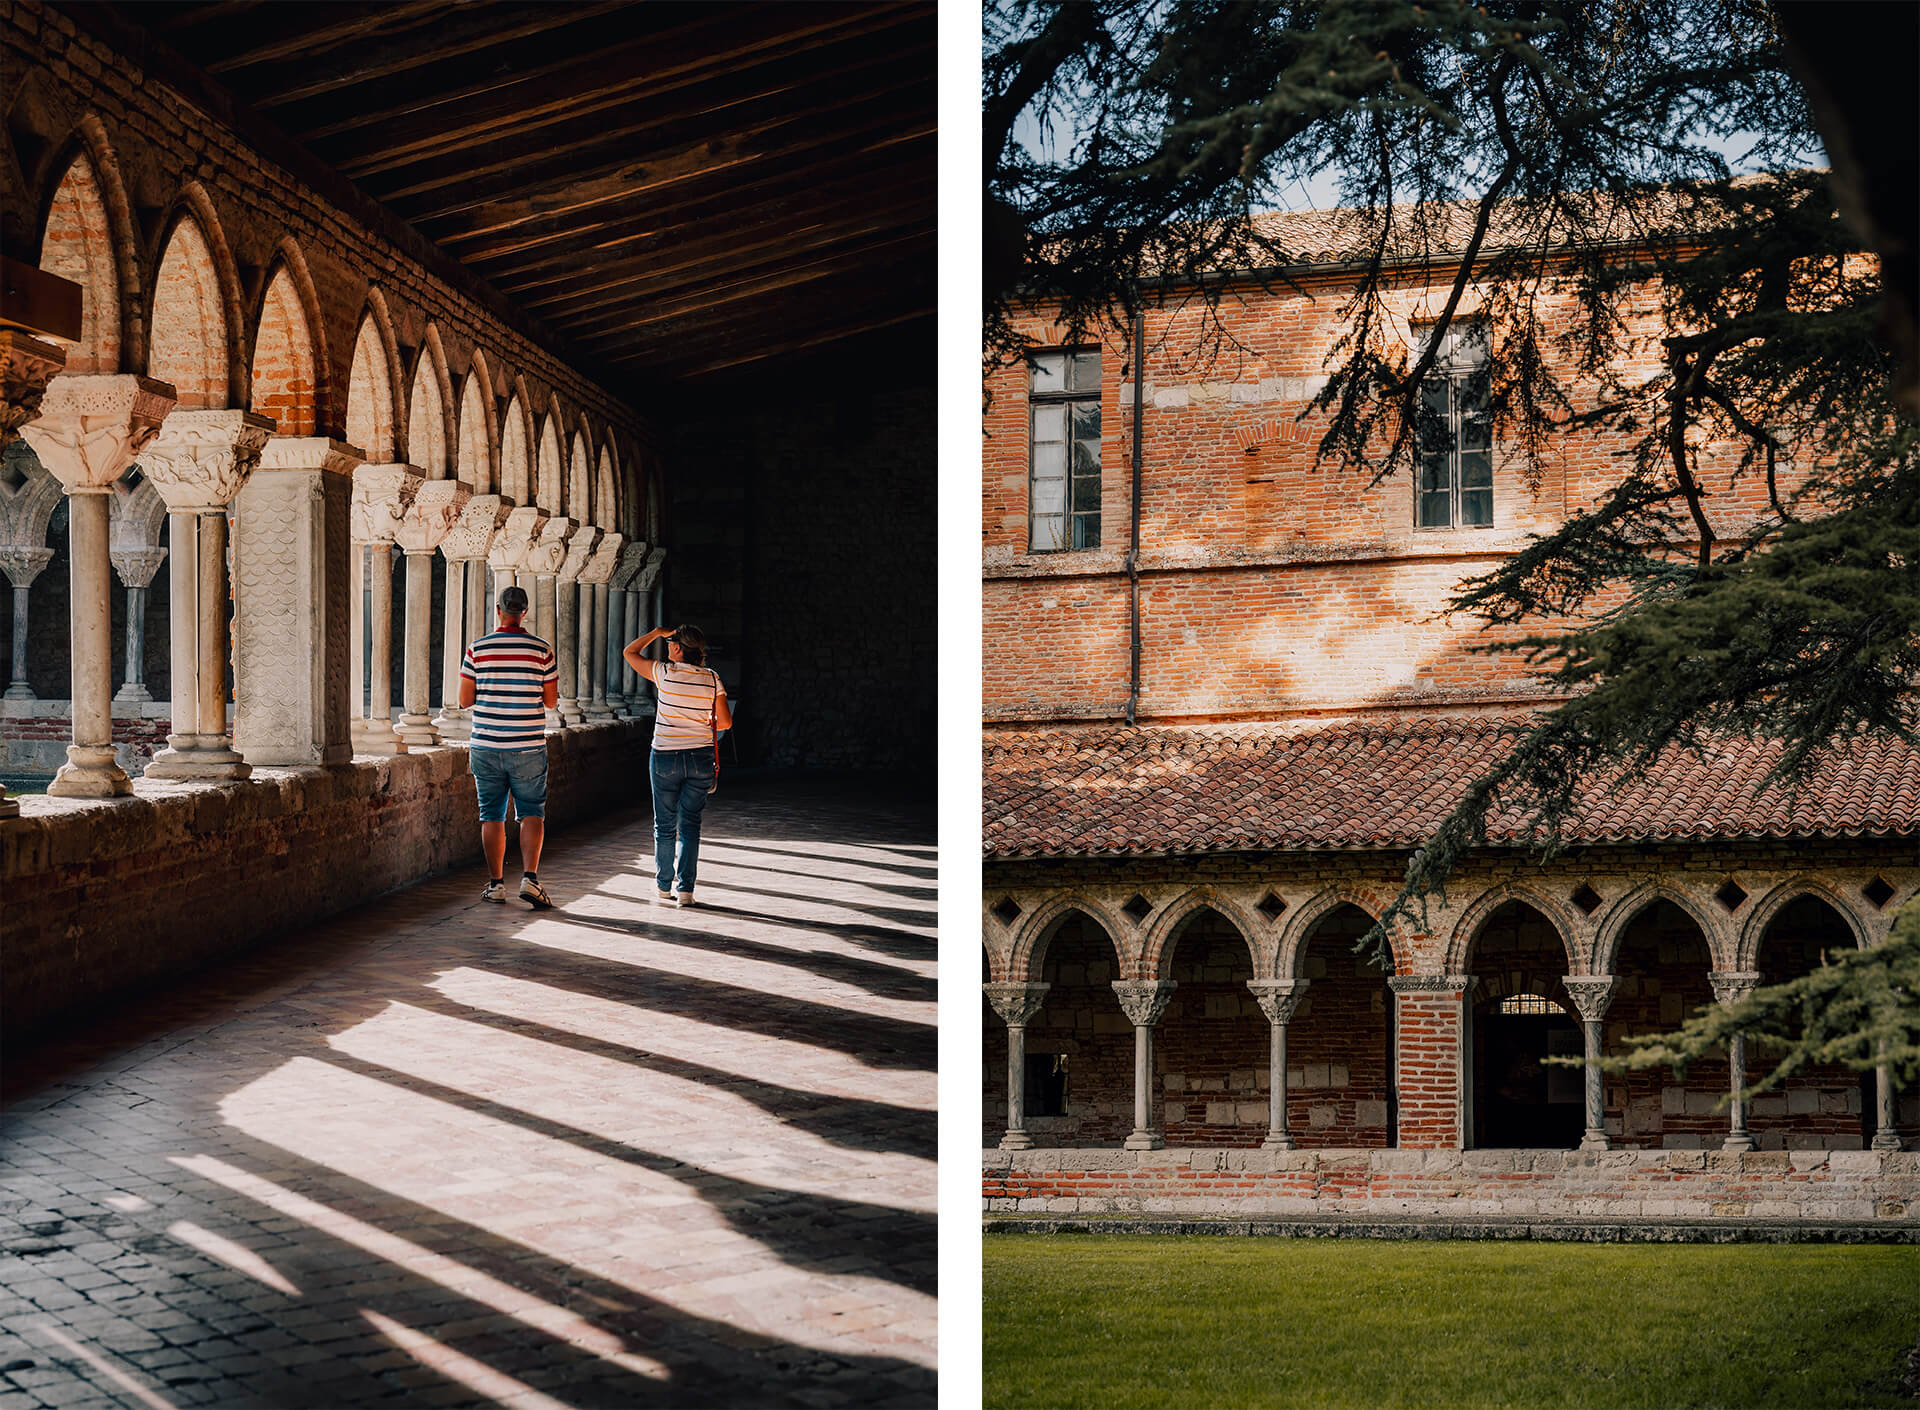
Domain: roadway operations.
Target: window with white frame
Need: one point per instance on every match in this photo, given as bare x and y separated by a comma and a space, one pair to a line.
1455, 487
1063, 449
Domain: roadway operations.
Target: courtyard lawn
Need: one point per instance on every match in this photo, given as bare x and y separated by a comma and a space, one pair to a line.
1115, 1321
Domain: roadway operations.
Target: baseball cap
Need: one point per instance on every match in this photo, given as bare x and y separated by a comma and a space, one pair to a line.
513, 598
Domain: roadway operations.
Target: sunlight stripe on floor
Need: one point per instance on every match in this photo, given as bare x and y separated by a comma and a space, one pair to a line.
222, 1250
143, 1394
476, 1376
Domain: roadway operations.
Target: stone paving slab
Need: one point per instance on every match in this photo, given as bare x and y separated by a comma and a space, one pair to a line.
1659, 1231
441, 1152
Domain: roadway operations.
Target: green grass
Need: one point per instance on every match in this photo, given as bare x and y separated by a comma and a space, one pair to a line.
1115, 1321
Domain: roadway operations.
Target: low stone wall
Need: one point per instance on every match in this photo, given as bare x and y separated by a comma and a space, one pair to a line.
1851, 1185
34, 734
98, 899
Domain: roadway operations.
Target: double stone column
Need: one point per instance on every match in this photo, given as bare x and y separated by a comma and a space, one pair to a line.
544, 560
89, 430
420, 531
573, 626
381, 496
595, 605
199, 463
1277, 999
465, 548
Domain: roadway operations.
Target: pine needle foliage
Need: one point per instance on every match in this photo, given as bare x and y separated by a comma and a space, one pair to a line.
1534, 154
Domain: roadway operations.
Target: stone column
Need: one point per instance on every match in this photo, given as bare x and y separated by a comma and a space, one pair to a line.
544, 560
465, 548
593, 642
198, 464
133, 530
27, 364
1016, 1004
1591, 994
569, 628
435, 509
22, 566
610, 662
1144, 1000
294, 604
90, 429
647, 584
1730, 989
625, 627
381, 497
512, 546
1277, 999
1885, 1138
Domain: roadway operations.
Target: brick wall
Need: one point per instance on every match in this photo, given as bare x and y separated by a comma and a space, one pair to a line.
106, 898
805, 546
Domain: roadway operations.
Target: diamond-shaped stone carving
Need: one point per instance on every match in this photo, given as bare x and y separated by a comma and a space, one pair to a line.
1006, 910
1731, 895
1586, 898
1878, 892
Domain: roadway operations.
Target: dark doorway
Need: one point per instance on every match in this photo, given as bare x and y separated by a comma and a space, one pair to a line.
1520, 1099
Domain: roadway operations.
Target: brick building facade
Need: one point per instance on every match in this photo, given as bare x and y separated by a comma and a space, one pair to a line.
1172, 905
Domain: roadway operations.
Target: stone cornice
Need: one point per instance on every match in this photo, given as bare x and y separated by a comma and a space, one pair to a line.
321, 453
92, 427
201, 459
1458, 984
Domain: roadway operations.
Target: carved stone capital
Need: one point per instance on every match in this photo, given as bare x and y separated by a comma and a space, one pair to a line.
1143, 1000
136, 566
606, 557
472, 536
321, 453
549, 551
92, 427
579, 549
650, 574
633, 557
1731, 986
516, 538
1591, 993
1016, 1003
1458, 984
28, 497
382, 494
436, 508
1278, 997
27, 364
23, 565
201, 459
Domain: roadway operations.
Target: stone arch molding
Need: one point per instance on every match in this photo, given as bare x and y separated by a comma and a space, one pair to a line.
1291, 954
1721, 943
373, 389
1573, 935
430, 411
1157, 947
1030, 941
87, 137
77, 242
1753, 930
477, 436
288, 348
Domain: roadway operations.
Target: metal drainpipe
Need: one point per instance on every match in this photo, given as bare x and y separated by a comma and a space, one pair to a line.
1133, 531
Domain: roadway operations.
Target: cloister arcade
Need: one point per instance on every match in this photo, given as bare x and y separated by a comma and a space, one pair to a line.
1242, 1015
201, 420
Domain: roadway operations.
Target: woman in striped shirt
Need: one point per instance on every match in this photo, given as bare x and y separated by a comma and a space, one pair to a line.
691, 712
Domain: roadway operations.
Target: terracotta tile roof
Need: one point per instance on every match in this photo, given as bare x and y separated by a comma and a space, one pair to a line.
1266, 787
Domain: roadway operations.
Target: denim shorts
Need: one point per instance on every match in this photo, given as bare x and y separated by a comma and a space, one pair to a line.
521, 772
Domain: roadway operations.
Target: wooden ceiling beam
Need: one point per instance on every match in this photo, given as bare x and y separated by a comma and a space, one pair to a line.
273, 38
724, 362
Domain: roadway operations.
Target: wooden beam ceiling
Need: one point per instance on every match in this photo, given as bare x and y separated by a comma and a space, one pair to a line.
674, 189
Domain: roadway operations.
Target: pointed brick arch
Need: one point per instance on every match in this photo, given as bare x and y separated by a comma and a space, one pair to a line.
77, 243
549, 484
1754, 930
370, 415
286, 366
1720, 941
1160, 940
606, 489
516, 450
1030, 942
1307, 918
580, 504
475, 432
428, 406
187, 342
1466, 930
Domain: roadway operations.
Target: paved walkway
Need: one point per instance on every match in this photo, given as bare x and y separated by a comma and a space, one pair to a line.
437, 1152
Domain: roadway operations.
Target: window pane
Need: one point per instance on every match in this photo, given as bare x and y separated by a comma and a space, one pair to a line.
1048, 371
1049, 461
1476, 470
1431, 427
1434, 510
1050, 423
1049, 533
1086, 372
1086, 492
1049, 496
1476, 507
1086, 457
1086, 420
1473, 432
1433, 472
1086, 531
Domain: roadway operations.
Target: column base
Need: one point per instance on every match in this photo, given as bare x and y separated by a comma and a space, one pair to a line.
376, 739
131, 695
19, 690
199, 762
454, 726
1277, 1142
1595, 1141
600, 712
417, 731
1143, 1141
9, 807
554, 722
90, 772
1882, 1140
1740, 1141
570, 714
1016, 1141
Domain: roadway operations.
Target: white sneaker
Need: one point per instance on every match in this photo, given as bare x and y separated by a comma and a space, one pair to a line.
665, 898
685, 898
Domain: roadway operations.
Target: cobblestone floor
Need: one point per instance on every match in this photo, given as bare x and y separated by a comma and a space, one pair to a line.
438, 1152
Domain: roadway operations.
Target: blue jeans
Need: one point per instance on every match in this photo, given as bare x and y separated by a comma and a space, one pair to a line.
521, 772
681, 778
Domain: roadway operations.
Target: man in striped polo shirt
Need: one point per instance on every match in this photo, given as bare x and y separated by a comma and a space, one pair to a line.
509, 680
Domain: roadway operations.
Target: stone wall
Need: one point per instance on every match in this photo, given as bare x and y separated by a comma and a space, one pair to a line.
805, 546
1880, 1185
106, 898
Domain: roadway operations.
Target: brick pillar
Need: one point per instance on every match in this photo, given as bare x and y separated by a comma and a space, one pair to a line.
1591, 993
1277, 999
1430, 1058
1016, 1004
1144, 1000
